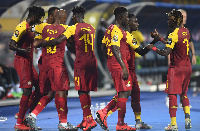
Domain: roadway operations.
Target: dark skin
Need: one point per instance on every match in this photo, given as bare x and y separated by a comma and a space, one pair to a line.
50, 20
13, 46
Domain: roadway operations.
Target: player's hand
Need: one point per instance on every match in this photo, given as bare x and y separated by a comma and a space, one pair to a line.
156, 35
194, 60
150, 46
125, 74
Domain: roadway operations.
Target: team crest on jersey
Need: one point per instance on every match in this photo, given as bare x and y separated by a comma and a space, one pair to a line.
169, 41
134, 41
115, 38
16, 33
128, 85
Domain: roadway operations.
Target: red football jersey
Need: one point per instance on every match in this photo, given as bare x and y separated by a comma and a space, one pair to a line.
114, 35
178, 41
53, 56
84, 35
24, 38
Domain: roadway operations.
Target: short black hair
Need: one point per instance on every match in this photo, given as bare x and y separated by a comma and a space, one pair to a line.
131, 15
119, 10
78, 10
51, 10
176, 16
36, 11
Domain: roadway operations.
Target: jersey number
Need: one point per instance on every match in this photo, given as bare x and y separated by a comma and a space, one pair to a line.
108, 44
86, 38
49, 48
186, 42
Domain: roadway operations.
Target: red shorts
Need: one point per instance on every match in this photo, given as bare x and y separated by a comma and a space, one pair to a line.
27, 74
135, 86
54, 80
119, 83
86, 80
178, 79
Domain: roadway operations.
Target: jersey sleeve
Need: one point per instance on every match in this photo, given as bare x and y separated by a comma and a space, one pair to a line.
131, 41
116, 36
70, 30
39, 28
38, 36
65, 26
140, 37
20, 30
172, 39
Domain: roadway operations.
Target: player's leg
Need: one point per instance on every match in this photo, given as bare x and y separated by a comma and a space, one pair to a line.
135, 103
121, 107
172, 111
88, 121
32, 116
184, 98
23, 68
22, 109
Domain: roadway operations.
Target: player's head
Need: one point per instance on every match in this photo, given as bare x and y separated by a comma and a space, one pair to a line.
184, 13
121, 15
175, 18
133, 22
78, 14
35, 14
62, 16
52, 14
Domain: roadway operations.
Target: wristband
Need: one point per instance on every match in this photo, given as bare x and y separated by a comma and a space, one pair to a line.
154, 48
161, 39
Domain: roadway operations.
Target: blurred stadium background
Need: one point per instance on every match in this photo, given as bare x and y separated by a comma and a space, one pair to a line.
151, 71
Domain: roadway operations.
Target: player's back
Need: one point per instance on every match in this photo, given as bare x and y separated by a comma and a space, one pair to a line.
180, 53
84, 43
53, 55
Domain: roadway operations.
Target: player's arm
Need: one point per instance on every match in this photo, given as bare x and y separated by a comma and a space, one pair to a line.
115, 45
164, 52
66, 35
55, 41
145, 50
103, 48
19, 32
71, 45
118, 57
193, 52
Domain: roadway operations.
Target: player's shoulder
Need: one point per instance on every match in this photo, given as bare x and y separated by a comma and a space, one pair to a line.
174, 33
115, 29
22, 25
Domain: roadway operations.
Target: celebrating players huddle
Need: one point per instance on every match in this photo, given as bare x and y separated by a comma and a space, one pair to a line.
118, 46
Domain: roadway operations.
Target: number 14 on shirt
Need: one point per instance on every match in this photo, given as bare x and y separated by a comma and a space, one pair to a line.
89, 40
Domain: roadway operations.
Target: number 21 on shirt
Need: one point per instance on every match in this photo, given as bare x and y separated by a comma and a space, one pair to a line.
89, 40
